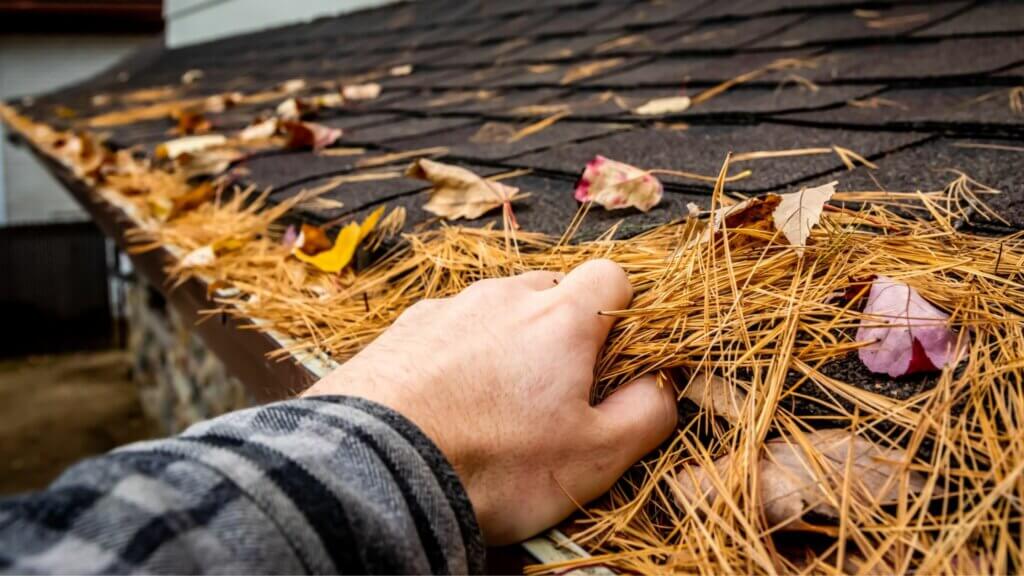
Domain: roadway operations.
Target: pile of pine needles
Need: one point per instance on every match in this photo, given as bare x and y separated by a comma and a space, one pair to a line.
742, 305
745, 307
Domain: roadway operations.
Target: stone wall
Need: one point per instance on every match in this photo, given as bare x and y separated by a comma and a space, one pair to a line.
180, 381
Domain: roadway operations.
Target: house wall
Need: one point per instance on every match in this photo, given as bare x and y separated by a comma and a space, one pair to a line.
32, 64
192, 21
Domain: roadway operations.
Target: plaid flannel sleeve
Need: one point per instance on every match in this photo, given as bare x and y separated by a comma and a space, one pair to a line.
316, 485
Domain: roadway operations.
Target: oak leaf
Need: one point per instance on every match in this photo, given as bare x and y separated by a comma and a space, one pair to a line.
616, 185
907, 333
458, 192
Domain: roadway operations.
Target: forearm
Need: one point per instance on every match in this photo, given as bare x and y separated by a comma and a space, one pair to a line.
315, 485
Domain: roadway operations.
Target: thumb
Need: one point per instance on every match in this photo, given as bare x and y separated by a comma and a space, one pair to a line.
637, 418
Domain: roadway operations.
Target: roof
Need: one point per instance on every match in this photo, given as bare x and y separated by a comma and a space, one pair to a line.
916, 88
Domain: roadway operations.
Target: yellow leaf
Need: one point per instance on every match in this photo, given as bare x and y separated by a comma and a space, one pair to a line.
335, 259
340, 255
371, 222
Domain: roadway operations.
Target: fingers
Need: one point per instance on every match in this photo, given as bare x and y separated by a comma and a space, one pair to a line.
539, 279
598, 285
636, 419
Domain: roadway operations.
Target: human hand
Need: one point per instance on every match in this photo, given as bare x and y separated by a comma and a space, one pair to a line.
499, 378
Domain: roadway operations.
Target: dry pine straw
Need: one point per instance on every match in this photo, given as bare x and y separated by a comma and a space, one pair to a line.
747, 308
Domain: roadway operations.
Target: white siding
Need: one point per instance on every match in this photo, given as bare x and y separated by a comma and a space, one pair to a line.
31, 64
191, 21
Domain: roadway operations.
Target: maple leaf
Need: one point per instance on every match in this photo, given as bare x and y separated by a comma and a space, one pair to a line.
458, 192
616, 185
340, 254
798, 212
310, 135
658, 106
797, 475
907, 333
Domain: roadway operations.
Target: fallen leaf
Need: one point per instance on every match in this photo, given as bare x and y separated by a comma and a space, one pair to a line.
312, 240
669, 105
340, 254
752, 212
616, 185
293, 85
798, 212
259, 131
212, 162
907, 334
221, 102
203, 256
189, 145
194, 198
716, 395
310, 135
458, 192
403, 70
794, 473
368, 91
289, 237
191, 76
191, 122
292, 109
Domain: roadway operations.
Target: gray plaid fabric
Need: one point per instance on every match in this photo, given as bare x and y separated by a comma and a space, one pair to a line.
319, 485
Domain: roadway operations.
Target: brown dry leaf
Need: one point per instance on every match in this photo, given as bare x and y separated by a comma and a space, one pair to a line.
191, 76
192, 199
189, 145
800, 475
403, 70
258, 131
291, 86
798, 212
368, 91
669, 105
493, 132
459, 193
212, 162
752, 212
588, 69
190, 123
310, 135
716, 395
312, 240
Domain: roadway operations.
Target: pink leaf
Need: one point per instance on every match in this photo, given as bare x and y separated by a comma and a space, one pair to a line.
907, 333
616, 185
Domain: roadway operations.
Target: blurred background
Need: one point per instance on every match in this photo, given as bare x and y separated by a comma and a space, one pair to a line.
74, 380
